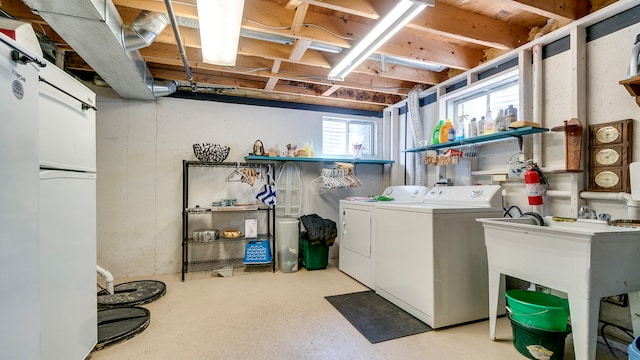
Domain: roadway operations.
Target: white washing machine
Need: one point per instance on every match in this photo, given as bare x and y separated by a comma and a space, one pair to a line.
355, 230
431, 258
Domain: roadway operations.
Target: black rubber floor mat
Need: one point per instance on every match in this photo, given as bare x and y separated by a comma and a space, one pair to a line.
376, 318
131, 293
119, 324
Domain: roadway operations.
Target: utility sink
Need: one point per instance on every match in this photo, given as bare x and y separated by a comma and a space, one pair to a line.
587, 259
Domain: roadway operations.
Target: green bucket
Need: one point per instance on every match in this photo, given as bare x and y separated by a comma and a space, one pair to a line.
538, 344
538, 310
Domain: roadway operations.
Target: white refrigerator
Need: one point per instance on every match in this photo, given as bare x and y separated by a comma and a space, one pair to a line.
67, 216
47, 206
19, 240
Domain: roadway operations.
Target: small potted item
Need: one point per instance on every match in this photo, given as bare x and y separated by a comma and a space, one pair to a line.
258, 148
291, 150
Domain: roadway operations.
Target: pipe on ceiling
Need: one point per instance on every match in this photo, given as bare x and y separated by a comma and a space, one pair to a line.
93, 28
183, 54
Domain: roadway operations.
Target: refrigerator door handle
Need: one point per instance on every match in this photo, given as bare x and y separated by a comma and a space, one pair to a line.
19, 54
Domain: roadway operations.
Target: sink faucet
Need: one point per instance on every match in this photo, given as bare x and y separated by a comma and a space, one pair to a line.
586, 212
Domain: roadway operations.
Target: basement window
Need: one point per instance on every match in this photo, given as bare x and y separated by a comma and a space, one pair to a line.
474, 100
343, 137
494, 98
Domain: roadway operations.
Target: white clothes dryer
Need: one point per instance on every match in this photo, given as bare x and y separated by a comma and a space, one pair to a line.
355, 230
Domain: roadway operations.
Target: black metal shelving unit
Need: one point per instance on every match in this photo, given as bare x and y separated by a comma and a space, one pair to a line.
187, 241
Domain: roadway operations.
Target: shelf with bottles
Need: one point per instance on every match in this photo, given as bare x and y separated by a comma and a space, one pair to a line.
496, 136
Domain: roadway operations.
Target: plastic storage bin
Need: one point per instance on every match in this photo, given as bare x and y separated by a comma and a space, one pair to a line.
312, 256
287, 244
537, 309
257, 252
537, 343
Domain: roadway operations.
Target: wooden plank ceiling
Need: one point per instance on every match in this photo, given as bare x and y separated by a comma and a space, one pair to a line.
455, 34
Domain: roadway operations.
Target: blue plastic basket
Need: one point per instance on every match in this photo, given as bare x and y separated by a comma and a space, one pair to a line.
257, 252
634, 351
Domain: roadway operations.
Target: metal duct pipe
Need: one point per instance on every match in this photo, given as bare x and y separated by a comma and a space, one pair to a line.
81, 24
143, 30
163, 87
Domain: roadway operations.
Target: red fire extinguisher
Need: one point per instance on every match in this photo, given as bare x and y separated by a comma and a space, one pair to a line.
532, 182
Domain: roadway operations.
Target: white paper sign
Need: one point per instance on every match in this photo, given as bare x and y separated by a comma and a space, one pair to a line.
250, 228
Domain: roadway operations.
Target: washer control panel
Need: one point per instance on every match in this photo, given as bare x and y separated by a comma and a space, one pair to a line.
477, 195
406, 193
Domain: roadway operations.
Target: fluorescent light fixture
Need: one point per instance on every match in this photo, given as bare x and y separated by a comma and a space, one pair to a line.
219, 22
401, 14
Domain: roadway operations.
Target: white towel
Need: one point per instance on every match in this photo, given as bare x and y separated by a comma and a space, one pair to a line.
267, 194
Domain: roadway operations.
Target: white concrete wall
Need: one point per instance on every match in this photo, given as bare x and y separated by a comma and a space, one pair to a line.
140, 148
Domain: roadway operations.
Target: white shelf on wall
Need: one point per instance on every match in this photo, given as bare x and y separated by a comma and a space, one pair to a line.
497, 136
316, 159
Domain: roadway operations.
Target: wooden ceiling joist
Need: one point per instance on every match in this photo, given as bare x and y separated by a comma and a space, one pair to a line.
564, 10
284, 71
281, 60
298, 19
452, 22
299, 48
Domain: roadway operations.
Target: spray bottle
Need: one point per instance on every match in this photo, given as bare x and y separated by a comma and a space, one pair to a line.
461, 132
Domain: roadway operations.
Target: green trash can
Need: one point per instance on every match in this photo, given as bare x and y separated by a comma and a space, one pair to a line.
313, 256
537, 343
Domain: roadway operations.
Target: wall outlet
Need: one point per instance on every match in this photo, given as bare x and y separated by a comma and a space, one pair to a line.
250, 228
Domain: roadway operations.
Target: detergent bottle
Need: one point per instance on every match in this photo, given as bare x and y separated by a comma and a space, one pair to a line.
489, 125
499, 122
481, 124
435, 138
473, 128
444, 131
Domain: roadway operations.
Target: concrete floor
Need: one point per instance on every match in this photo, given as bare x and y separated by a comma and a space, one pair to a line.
262, 315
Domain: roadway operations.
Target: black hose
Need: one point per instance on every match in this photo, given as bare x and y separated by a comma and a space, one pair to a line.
605, 324
537, 216
508, 211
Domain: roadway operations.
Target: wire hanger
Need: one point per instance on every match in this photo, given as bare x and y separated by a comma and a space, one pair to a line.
236, 175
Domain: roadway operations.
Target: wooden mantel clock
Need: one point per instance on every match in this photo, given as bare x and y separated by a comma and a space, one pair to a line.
610, 151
